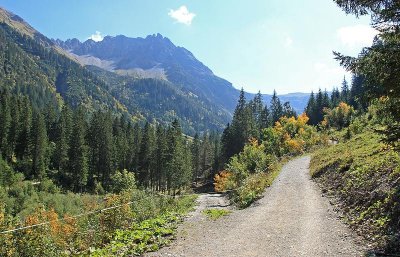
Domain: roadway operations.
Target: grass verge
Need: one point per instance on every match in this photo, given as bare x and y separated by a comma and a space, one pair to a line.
363, 174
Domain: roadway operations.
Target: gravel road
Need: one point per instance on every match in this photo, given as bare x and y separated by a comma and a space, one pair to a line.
292, 219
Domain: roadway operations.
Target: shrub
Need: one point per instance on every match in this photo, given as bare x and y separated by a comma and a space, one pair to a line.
223, 181
338, 117
123, 181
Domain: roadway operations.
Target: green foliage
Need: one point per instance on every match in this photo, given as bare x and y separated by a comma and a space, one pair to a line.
147, 236
215, 214
133, 221
364, 174
338, 117
252, 159
249, 120
379, 64
253, 187
123, 181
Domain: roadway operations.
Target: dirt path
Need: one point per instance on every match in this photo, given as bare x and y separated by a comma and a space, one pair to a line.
292, 219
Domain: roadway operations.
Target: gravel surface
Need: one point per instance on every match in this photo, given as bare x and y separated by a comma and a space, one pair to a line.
292, 219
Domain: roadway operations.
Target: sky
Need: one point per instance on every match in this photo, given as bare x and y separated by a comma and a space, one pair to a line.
260, 45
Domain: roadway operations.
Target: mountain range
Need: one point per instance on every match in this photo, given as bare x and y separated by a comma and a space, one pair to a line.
144, 78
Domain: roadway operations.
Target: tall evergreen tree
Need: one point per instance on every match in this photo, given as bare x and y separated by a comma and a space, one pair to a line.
335, 97
145, 155
23, 150
358, 98
39, 148
179, 167
311, 110
196, 157
5, 122
265, 118
160, 160
345, 94
60, 158
78, 161
288, 110
276, 108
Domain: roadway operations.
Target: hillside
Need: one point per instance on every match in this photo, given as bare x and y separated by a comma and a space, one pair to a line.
157, 57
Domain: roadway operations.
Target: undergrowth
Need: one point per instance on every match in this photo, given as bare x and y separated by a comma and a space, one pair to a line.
364, 175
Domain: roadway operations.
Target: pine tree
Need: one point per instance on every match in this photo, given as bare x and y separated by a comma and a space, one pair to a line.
160, 160
145, 155
319, 103
257, 109
100, 140
358, 98
179, 167
335, 97
23, 150
276, 108
311, 110
196, 157
227, 143
288, 111
239, 130
15, 128
326, 102
345, 94
60, 160
265, 118
78, 161
205, 155
39, 148
5, 123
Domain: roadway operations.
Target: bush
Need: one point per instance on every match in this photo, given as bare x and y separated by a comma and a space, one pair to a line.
338, 117
123, 181
252, 159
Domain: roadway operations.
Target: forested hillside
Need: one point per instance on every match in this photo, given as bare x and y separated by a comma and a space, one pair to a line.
362, 170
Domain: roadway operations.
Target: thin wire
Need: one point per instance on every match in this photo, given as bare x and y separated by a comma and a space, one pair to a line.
61, 219
73, 217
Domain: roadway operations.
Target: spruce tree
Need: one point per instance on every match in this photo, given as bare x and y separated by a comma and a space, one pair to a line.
78, 161
311, 110
288, 110
5, 122
145, 155
196, 157
276, 108
39, 148
345, 94
60, 158
265, 118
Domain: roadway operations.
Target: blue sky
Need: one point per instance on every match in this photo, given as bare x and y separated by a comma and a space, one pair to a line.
258, 45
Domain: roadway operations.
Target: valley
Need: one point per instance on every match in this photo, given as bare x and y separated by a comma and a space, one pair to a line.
119, 144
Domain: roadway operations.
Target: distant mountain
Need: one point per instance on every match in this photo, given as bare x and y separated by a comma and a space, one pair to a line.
157, 57
141, 78
34, 66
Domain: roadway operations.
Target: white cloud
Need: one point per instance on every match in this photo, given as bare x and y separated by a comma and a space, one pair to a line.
96, 37
328, 75
182, 15
357, 35
288, 41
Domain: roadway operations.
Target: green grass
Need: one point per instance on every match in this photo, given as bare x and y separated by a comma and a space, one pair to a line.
255, 185
148, 235
364, 175
215, 214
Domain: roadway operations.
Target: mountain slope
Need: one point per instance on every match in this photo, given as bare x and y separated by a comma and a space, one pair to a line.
34, 66
157, 57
